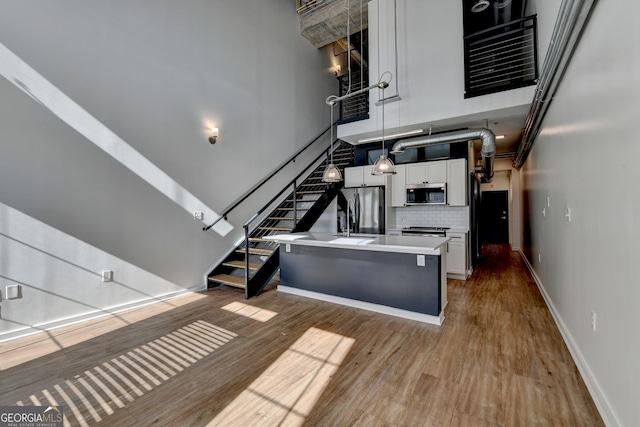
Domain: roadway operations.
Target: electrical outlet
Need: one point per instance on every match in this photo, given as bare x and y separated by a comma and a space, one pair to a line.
107, 276
421, 261
198, 215
567, 214
13, 292
593, 321
544, 212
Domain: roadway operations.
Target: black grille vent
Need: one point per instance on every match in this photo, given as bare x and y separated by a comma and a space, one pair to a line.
356, 107
501, 58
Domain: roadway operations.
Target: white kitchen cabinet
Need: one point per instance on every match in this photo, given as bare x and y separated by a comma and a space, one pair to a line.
398, 182
457, 255
425, 172
457, 182
360, 176
437, 171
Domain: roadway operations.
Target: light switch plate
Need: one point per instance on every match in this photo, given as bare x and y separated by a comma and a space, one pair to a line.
421, 261
107, 276
287, 247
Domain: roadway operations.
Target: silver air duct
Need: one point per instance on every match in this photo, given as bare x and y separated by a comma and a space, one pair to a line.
487, 150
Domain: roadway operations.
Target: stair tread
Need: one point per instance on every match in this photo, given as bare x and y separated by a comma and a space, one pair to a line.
240, 264
342, 157
256, 251
227, 279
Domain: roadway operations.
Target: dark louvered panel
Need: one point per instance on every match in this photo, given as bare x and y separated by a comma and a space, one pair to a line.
501, 58
355, 107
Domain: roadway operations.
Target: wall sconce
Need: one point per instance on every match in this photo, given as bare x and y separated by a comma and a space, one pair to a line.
337, 69
214, 135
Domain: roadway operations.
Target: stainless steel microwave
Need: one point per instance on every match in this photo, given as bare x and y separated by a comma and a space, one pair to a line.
426, 194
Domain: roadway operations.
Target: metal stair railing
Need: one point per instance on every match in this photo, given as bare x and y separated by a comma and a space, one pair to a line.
255, 188
291, 186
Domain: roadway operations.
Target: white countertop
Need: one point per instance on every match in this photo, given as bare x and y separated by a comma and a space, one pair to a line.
367, 242
458, 230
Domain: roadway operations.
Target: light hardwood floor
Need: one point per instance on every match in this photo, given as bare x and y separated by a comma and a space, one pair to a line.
216, 359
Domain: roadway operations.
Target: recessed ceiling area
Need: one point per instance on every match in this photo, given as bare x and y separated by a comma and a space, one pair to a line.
506, 121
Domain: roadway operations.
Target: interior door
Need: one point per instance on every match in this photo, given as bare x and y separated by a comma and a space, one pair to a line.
494, 217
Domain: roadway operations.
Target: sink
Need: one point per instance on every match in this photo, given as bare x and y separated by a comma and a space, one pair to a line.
351, 241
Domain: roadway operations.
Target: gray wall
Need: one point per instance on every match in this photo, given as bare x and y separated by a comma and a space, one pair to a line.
157, 74
585, 159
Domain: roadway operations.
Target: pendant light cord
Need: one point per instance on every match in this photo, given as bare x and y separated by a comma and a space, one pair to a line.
361, 49
395, 29
383, 121
331, 140
348, 3
378, 36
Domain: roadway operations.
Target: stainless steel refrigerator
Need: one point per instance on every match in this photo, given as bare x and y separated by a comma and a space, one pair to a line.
362, 208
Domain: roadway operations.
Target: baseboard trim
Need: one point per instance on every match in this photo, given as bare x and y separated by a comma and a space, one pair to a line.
603, 405
405, 314
60, 323
456, 276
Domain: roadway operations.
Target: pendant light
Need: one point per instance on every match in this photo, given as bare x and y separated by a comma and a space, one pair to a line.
331, 172
384, 165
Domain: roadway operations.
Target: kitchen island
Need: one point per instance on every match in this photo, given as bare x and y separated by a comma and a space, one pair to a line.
403, 276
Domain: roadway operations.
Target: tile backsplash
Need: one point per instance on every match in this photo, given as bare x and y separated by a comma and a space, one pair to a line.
437, 216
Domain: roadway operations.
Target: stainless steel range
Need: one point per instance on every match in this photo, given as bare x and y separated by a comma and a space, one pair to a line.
425, 231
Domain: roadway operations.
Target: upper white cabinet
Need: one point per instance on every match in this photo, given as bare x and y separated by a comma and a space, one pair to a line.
422, 173
360, 176
457, 182
398, 183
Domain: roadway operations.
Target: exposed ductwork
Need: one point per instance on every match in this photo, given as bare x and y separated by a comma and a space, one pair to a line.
487, 150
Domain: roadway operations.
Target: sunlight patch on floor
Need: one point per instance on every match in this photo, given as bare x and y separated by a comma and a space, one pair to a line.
288, 390
101, 390
246, 310
48, 342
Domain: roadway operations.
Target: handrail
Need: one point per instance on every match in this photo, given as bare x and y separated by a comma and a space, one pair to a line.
286, 187
264, 181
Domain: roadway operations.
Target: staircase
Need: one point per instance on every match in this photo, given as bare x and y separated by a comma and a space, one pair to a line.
298, 212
